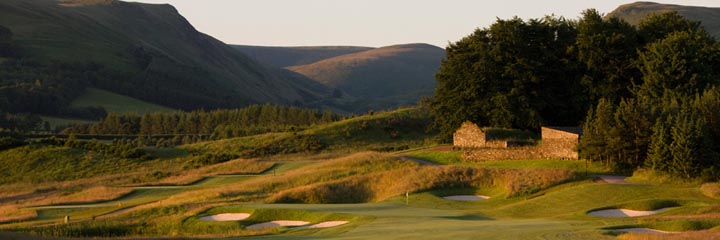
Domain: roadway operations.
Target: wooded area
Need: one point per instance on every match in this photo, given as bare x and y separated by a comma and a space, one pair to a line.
219, 124
646, 93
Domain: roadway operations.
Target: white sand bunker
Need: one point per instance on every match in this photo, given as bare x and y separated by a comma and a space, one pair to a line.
467, 198
624, 213
613, 179
226, 217
278, 223
325, 224
643, 230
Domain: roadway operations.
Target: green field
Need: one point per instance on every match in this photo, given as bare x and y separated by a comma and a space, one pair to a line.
117, 103
556, 213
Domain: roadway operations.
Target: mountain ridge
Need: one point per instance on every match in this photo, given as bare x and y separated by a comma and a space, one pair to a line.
391, 71
292, 56
633, 12
157, 55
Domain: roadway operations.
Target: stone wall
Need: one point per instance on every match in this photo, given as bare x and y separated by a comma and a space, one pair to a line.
557, 143
469, 135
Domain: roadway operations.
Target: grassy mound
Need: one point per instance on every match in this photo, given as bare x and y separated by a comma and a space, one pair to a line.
454, 158
383, 185
34, 164
389, 131
683, 225
650, 205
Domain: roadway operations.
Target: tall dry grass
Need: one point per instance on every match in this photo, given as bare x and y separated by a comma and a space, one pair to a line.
89, 195
711, 189
14, 213
330, 170
371, 176
382, 185
237, 166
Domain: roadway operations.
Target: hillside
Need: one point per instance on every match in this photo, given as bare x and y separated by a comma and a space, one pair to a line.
633, 12
282, 57
403, 73
146, 51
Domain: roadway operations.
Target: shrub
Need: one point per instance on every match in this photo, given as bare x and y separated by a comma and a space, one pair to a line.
10, 142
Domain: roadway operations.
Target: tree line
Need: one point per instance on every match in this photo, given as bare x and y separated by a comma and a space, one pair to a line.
645, 94
218, 124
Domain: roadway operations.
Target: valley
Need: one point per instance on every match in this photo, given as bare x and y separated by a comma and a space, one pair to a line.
121, 120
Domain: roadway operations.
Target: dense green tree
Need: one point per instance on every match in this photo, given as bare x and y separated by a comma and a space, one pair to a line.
631, 135
599, 125
691, 148
218, 123
684, 63
607, 48
513, 74
658, 26
659, 156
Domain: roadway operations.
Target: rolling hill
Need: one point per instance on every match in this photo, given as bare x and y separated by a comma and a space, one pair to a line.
149, 52
633, 12
282, 57
400, 73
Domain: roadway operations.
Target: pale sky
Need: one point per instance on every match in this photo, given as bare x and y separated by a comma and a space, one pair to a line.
372, 23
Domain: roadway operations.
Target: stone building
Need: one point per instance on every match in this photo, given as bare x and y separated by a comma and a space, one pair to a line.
557, 142
469, 135
560, 142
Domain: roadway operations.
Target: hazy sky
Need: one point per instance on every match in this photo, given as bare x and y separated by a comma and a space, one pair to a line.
371, 23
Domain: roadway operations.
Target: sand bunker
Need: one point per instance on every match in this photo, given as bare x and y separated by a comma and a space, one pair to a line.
226, 217
278, 223
643, 230
624, 213
325, 224
613, 179
467, 197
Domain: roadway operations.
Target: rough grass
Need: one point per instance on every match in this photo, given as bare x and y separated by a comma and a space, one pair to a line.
113, 102
649, 205
13, 213
383, 185
89, 195
691, 235
256, 189
454, 158
35, 164
711, 189
387, 131
647, 176
439, 157
237, 166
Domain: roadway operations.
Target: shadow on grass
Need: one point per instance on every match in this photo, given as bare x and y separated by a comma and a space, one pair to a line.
468, 218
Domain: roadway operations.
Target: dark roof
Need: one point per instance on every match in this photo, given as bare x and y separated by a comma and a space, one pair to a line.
575, 130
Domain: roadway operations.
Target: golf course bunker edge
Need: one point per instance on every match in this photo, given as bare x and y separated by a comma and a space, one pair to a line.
643, 230
624, 212
277, 223
466, 198
327, 224
224, 217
